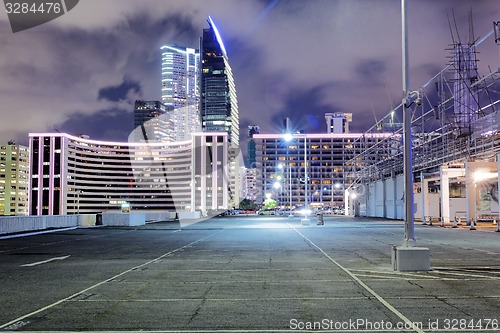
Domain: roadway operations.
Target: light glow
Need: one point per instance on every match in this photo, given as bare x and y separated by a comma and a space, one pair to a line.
481, 175
217, 35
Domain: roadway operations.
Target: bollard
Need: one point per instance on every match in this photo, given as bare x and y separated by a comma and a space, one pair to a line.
320, 219
459, 221
442, 222
455, 223
472, 226
498, 227
430, 222
424, 222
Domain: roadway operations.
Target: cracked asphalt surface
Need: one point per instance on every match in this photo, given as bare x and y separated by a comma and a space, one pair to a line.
250, 274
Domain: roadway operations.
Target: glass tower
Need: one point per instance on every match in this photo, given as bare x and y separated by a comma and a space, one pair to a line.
219, 105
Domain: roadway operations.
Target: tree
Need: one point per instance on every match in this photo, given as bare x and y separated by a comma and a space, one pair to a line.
247, 204
270, 203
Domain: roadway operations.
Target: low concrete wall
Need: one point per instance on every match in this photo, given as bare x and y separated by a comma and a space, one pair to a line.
123, 219
184, 215
12, 224
87, 220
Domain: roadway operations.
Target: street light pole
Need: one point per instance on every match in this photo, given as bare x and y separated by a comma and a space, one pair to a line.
408, 162
78, 201
305, 220
290, 192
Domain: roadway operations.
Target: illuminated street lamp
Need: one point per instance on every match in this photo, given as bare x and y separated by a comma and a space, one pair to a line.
288, 137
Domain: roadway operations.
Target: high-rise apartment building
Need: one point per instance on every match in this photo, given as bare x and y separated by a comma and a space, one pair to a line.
14, 171
281, 166
180, 90
152, 123
180, 76
76, 175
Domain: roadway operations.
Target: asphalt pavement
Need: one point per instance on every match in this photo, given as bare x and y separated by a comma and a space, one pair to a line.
249, 274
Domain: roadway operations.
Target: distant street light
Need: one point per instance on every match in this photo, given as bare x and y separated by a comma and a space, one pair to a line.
288, 137
78, 192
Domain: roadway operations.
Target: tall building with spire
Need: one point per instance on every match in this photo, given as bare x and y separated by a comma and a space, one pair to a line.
219, 103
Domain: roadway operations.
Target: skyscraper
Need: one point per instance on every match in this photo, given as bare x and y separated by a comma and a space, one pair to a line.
181, 89
251, 150
180, 74
151, 123
219, 105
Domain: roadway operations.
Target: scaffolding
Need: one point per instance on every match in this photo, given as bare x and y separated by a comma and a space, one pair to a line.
457, 120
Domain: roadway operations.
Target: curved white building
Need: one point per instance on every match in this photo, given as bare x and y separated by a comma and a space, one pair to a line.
71, 174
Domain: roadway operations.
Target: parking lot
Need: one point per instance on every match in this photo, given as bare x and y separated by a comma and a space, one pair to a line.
250, 274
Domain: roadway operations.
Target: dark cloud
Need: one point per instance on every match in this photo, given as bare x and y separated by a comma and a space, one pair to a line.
293, 58
107, 125
306, 110
117, 93
371, 70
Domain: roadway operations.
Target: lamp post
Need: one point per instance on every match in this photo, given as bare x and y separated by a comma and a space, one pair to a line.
78, 192
305, 220
288, 137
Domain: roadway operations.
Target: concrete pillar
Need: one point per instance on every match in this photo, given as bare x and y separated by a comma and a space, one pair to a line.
470, 191
424, 190
384, 198
395, 197
498, 187
346, 202
445, 193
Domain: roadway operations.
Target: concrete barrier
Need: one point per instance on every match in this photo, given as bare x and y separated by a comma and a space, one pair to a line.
13, 224
183, 215
123, 219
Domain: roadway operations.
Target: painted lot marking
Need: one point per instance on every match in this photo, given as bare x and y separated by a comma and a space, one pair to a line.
22, 318
361, 283
45, 261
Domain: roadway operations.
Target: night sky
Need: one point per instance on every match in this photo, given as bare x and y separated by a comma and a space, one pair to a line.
82, 72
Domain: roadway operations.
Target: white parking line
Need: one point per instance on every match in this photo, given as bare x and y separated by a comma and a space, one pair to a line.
103, 282
45, 261
361, 283
37, 233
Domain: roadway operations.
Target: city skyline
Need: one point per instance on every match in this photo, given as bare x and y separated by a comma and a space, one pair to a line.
83, 71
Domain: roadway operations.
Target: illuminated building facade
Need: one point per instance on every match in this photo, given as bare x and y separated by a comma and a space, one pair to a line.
71, 175
327, 165
151, 123
14, 168
180, 90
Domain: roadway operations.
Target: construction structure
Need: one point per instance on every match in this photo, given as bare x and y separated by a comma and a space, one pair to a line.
455, 146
